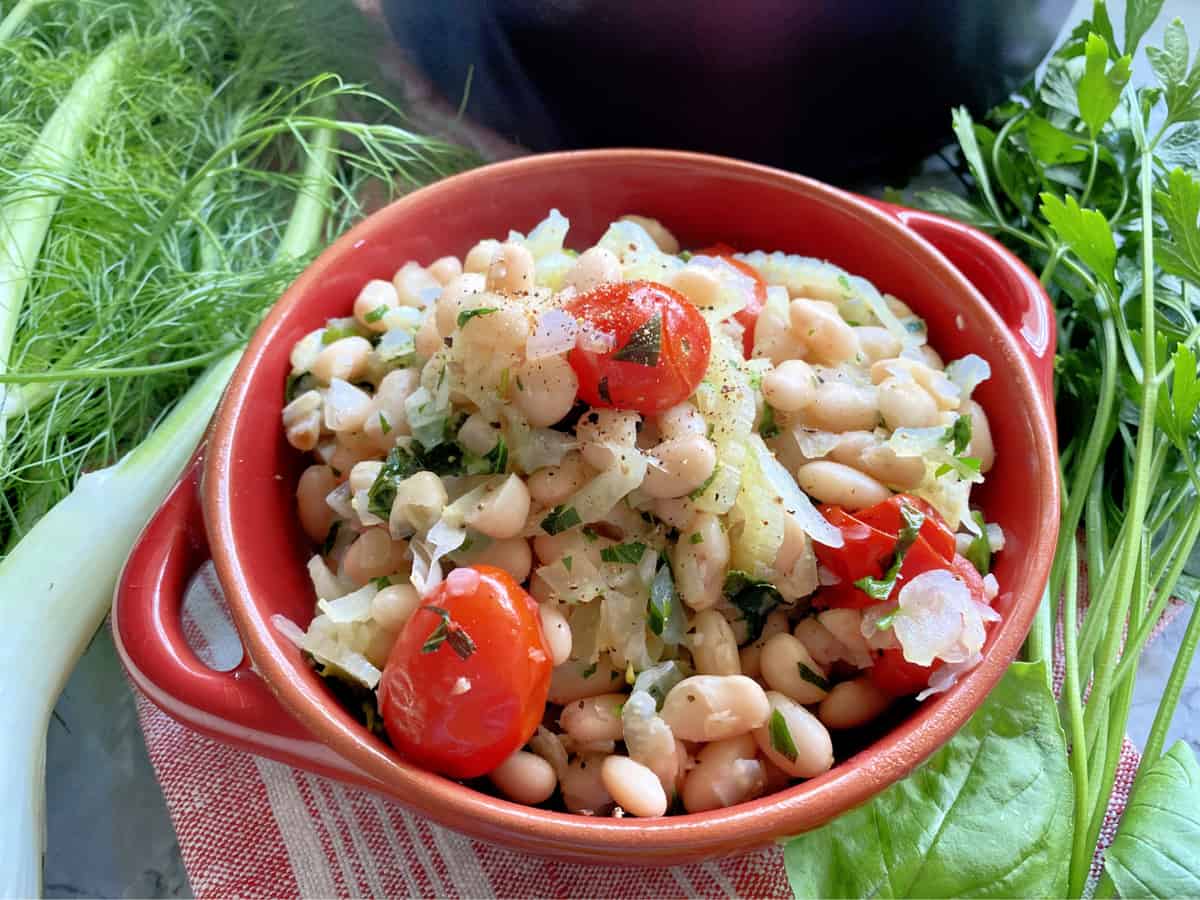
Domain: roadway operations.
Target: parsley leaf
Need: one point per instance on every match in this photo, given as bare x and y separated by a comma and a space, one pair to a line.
781, 737
768, 428
449, 632
627, 554
1085, 231
881, 588
814, 678
644, 345
336, 333
468, 314
1178, 251
1139, 16
560, 519
755, 599
960, 434
1099, 90
400, 464
979, 553
376, 314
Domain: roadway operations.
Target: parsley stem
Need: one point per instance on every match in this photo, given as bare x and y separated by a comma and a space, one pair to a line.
1051, 264
1001, 137
1173, 690
1096, 530
1091, 179
1080, 858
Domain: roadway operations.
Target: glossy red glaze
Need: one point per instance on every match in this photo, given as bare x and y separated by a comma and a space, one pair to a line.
259, 550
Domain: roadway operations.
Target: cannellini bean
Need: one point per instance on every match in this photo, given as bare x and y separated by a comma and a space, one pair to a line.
314, 486
374, 300
345, 406
504, 331
511, 270
777, 779
556, 632
726, 773
790, 386
551, 485
678, 512
545, 390
419, 502
905, 404
714, 648
454, 297
788, 668
773, 338
345, 358
351, 447
648, 739
577, 679
415, 287
898, 307
392, 606
714, 707
373, 555
828, 336
700, 566
478, 435
835, 483
852, 703
846, 626
680, 421
605, 426
837, 407
479, 257
549, 548
583, 787
428, 341
302, 420
819, 641
510, 554
388, 418
445, 269
363, 475
525, 778
594, 267
662, 237
814, 747
751, 655
503, 510
700, 285
981, 446
593, 719
634, 787
877, 342
933, 359
862, 450
684, 464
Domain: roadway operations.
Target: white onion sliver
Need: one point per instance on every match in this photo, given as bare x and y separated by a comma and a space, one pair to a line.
968, 372
554, 333
945, 677
352, 607
288, 629
325, 583
937, 619
344, 404
795, 500
339, 501
815, 444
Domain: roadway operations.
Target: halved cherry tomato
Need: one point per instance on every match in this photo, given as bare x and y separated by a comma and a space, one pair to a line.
967, 573
747, 316
661, 348
885, 516
462, 706
864, 549
895, 675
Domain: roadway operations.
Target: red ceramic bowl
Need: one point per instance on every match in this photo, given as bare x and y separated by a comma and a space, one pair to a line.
984, 302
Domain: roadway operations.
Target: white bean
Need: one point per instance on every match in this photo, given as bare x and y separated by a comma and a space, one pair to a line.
788, 668
556, 632
594, 267
478, 435
511, 270
345, 358
577, 679
415, 287
593, 719
726, 773
373, 555
751, 656
839, 484
545, 390
428, 341
773, 338
699, 285
822, 646
828, 336
981, 446
551, 485
480, 256
583, 787
363, 475
862, 450
877, 342
302, 420
634, 787
392, 606
837, 407
846, 626
453, 298
314, 486
905, 404
713, 645
605, 426
445, 269
680, 421
790, 386
648, 739
510, 554
700, 566
419, 502
852, 703
503, 510
678, 512
684, 464
714, 707
525, 778
658, 232
811, 740
374, 300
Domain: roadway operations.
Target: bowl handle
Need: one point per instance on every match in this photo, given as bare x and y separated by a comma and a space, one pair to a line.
1005, 282
235, 707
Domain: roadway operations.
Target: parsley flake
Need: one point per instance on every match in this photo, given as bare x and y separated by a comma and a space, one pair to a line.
447, 632
627, 554
781, 737
560, 519
645, 343
468, 314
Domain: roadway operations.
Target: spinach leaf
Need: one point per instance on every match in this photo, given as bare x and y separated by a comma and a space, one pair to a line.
756, 599
1156, 852
989, 815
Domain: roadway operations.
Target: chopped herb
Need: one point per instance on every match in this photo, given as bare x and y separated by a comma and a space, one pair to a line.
685, 255
468, 314
336, 333
502, 388
781, 737
657, 681
560, 519
447, 632
696, 538
813, 678
567, 562
881, 588
755, 599
381, 582
298, 384
520, 386
979, 553
662, 595
700, 491
768, 428
384, 425
883, 623
627, 554
602, 388
376, 314
960, 434
330, 538
399, 465
590, 533
644, 345
494, 462
589, 671
844, 281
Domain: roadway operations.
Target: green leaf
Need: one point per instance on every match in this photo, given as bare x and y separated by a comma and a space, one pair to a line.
989, 815
964, 130
560, 519
1139, 16
1050, 144
1156, 852
494, 462
954, 206
468, 314
1170, 62
626, 554
813, 678
1085, 231
1101, 24
1180, 148
1059, 89
401, 463
1179, 250
768, 428
1099, 90
881, 588
644, 345
979, 552
755, 599
781, 736
1177, 415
